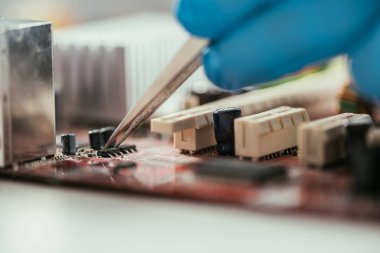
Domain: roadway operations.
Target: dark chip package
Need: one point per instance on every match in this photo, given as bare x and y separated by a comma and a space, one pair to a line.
237, 170
107, 153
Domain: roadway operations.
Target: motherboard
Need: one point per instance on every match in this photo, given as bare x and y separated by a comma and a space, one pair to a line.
290, 147
152, 166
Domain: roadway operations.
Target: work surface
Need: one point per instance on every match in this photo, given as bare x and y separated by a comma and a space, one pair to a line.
39, 218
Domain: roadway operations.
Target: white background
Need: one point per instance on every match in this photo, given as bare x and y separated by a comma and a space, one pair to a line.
82, 9
38, 218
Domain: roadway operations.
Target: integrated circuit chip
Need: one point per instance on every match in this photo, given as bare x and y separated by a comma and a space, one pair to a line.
237, 170
107, 153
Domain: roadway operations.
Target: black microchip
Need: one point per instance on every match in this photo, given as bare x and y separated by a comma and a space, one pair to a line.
128, 148
109, 152
231, 169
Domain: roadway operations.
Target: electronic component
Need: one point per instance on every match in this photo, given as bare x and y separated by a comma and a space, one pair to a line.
370, 182
99, 137
267, 133
96, 139
224, 129
322, 142
236, 170
194, 140
107, 132
68, 144
355, 146
120, 151
317, 93
363, 155
356, 129
27, 116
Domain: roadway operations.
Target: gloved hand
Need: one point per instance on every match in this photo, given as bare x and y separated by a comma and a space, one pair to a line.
255, 41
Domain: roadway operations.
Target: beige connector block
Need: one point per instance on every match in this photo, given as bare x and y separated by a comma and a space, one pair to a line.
193, 139
316, 89
268, 132
321, 142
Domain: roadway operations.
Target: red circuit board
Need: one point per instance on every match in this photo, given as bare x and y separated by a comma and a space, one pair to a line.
163, 171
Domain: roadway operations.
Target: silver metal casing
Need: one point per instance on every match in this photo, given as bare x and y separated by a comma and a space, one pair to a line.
27, 113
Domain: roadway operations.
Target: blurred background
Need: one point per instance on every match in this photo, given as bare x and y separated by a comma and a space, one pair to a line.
68, 12
106, 53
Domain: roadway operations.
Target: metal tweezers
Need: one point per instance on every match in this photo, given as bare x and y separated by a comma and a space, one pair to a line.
185, 62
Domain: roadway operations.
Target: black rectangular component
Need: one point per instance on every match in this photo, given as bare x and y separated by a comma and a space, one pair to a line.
109, 152
231, 169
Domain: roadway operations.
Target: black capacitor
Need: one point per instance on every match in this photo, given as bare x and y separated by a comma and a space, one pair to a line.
356, 131
107, 132
362, 161
224, 129
367, 177
68, 144
96, 139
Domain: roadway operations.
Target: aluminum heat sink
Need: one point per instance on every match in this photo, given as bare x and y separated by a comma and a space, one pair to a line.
27, 123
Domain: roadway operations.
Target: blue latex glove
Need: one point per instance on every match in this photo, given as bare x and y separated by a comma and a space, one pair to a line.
260, 40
